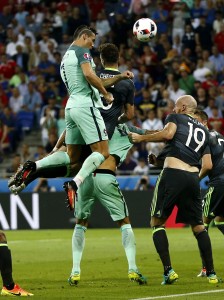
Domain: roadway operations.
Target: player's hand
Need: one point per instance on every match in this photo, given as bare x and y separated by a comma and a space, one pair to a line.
108, 97
134, 137
152, 159
127, 75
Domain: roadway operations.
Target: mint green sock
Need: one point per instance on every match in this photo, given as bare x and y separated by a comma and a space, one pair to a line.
90, 164
128, 241
78, 243
59, 158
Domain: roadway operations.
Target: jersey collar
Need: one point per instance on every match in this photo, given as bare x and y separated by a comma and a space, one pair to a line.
111, 69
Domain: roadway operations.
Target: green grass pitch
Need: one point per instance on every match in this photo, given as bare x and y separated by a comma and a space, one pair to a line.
42, 263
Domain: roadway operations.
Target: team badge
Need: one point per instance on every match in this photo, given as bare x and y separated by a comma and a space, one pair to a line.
87, 56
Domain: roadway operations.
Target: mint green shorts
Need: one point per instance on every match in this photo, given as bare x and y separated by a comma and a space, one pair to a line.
84, 125
102, 187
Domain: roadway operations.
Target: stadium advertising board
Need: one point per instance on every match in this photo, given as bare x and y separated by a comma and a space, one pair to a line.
48, 211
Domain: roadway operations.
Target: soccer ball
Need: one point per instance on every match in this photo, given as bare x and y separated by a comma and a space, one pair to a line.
144, 29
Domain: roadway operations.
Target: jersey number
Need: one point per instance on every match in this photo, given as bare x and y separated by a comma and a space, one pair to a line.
193, 133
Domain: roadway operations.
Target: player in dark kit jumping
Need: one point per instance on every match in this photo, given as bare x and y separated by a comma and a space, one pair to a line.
213, 202
178, 183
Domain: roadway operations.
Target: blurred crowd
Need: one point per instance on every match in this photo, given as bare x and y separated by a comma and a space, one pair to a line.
186, 57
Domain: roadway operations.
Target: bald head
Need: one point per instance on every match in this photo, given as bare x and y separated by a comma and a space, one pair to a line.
185, 104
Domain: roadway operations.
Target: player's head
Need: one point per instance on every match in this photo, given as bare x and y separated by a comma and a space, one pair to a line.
185, 105
83, 29
109, 54
85, 36
201, 116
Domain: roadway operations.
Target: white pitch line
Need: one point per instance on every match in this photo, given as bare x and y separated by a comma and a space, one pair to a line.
180, 295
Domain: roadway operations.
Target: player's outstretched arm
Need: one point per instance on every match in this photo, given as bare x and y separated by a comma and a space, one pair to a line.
107, 82
162, 136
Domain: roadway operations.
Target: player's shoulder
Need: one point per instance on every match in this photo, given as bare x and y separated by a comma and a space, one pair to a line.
215, 137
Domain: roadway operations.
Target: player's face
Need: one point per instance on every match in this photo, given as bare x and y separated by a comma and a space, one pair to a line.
178, 107
203, 122
90, 40
102, 61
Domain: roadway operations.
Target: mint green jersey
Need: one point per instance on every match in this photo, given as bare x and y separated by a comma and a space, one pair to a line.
81, 93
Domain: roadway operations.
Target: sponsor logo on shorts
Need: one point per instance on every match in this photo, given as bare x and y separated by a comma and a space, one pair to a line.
105, 132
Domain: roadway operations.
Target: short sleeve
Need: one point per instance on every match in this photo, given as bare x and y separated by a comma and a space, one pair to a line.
83, 55
171, 118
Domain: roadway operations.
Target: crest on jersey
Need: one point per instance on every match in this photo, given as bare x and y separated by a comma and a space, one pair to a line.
87, 56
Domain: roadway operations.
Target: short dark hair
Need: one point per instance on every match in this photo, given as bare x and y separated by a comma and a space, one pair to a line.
83, 29
109, 53
202, 114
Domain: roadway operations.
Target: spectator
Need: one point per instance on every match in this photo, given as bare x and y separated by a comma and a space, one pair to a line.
21, 14
4, 138
220, 98
216, 123
210, 109
44, 64
203, 35
61, 122
52, 106
21, 58
52, 140
217, 59
201, 97
11, 47
102, 27
160, 17
152, 122
127, 166
178, 24
15, 163
14, 133
144, 184
186, 82
16, 101
48, 125
175, 92
25, 153
33, 102
146, 102
209, 81
218, 22
23, 86
40, 153
206, 62
43, 186
201, 71
188, 39
6, 16
142, 168
219, 39
45, 39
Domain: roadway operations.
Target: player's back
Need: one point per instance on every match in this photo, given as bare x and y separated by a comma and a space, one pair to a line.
123, 93
216, 143
190, 141
81, 93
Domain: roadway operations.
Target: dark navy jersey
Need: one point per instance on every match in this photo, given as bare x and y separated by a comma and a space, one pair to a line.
216, 143
191, 140
163, 154
123, 93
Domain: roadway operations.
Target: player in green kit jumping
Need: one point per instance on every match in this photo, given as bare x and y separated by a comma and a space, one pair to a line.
84, 123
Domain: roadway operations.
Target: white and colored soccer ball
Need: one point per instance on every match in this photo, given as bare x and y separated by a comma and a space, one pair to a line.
144, 29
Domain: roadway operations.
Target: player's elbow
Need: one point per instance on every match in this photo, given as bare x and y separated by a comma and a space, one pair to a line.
207, 162
207, 166
88, 76
168, 135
